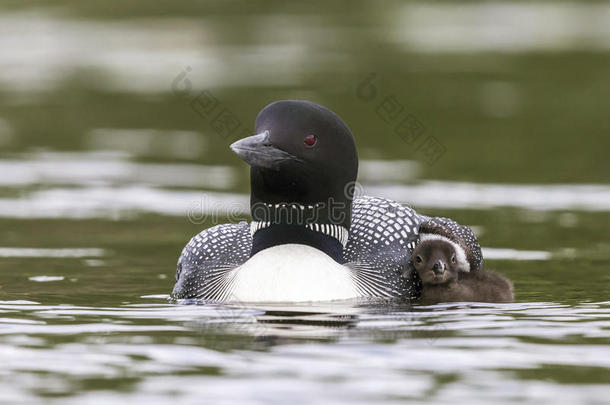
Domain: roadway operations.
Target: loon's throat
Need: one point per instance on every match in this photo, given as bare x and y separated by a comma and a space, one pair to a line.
321, 225
328, 238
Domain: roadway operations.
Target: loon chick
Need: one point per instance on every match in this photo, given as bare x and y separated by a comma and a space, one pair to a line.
465, 242
445, 273
302, 244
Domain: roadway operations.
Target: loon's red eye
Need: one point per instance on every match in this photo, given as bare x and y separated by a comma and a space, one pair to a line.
310, 140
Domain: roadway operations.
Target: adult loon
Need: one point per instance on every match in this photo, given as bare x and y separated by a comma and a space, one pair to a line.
306, 241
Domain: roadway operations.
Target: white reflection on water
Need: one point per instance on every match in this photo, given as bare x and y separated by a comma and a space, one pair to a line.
109, 185
148, 142
45, 279
126, 201
122, 202
502, 26
387, 171
102, 168
42, 49
462, 195
51, 253
514, 254
381, 353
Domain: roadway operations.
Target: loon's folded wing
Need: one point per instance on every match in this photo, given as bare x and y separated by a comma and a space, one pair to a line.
204, 265
211, 280
385, 280
383, 235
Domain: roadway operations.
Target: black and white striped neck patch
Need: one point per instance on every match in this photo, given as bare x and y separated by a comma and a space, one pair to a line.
334, 231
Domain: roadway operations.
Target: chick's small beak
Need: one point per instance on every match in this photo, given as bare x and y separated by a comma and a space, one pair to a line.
439, 267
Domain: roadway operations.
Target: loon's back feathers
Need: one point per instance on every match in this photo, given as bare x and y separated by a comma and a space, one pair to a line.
382, 236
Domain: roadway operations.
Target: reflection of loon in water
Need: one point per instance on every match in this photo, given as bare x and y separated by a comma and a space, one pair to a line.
274, 322
304, 159
289, 323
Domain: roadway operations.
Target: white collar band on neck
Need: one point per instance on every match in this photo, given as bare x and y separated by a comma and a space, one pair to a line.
334, 231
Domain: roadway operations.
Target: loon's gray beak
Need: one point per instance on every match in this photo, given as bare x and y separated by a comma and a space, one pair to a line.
258, 151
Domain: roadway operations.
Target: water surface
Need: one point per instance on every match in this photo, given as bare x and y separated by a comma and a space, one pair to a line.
107, 168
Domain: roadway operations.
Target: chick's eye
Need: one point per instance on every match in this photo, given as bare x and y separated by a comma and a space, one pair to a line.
452, 259
310, 140
418, 259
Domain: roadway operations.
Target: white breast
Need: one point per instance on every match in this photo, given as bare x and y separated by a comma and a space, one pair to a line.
292, 273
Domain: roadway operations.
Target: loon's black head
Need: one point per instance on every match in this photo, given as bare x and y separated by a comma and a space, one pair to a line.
303, 168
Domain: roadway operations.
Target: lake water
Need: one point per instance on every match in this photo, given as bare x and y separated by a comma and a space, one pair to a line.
110, 161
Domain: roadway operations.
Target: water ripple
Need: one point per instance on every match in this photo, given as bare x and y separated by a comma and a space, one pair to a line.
343, 353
